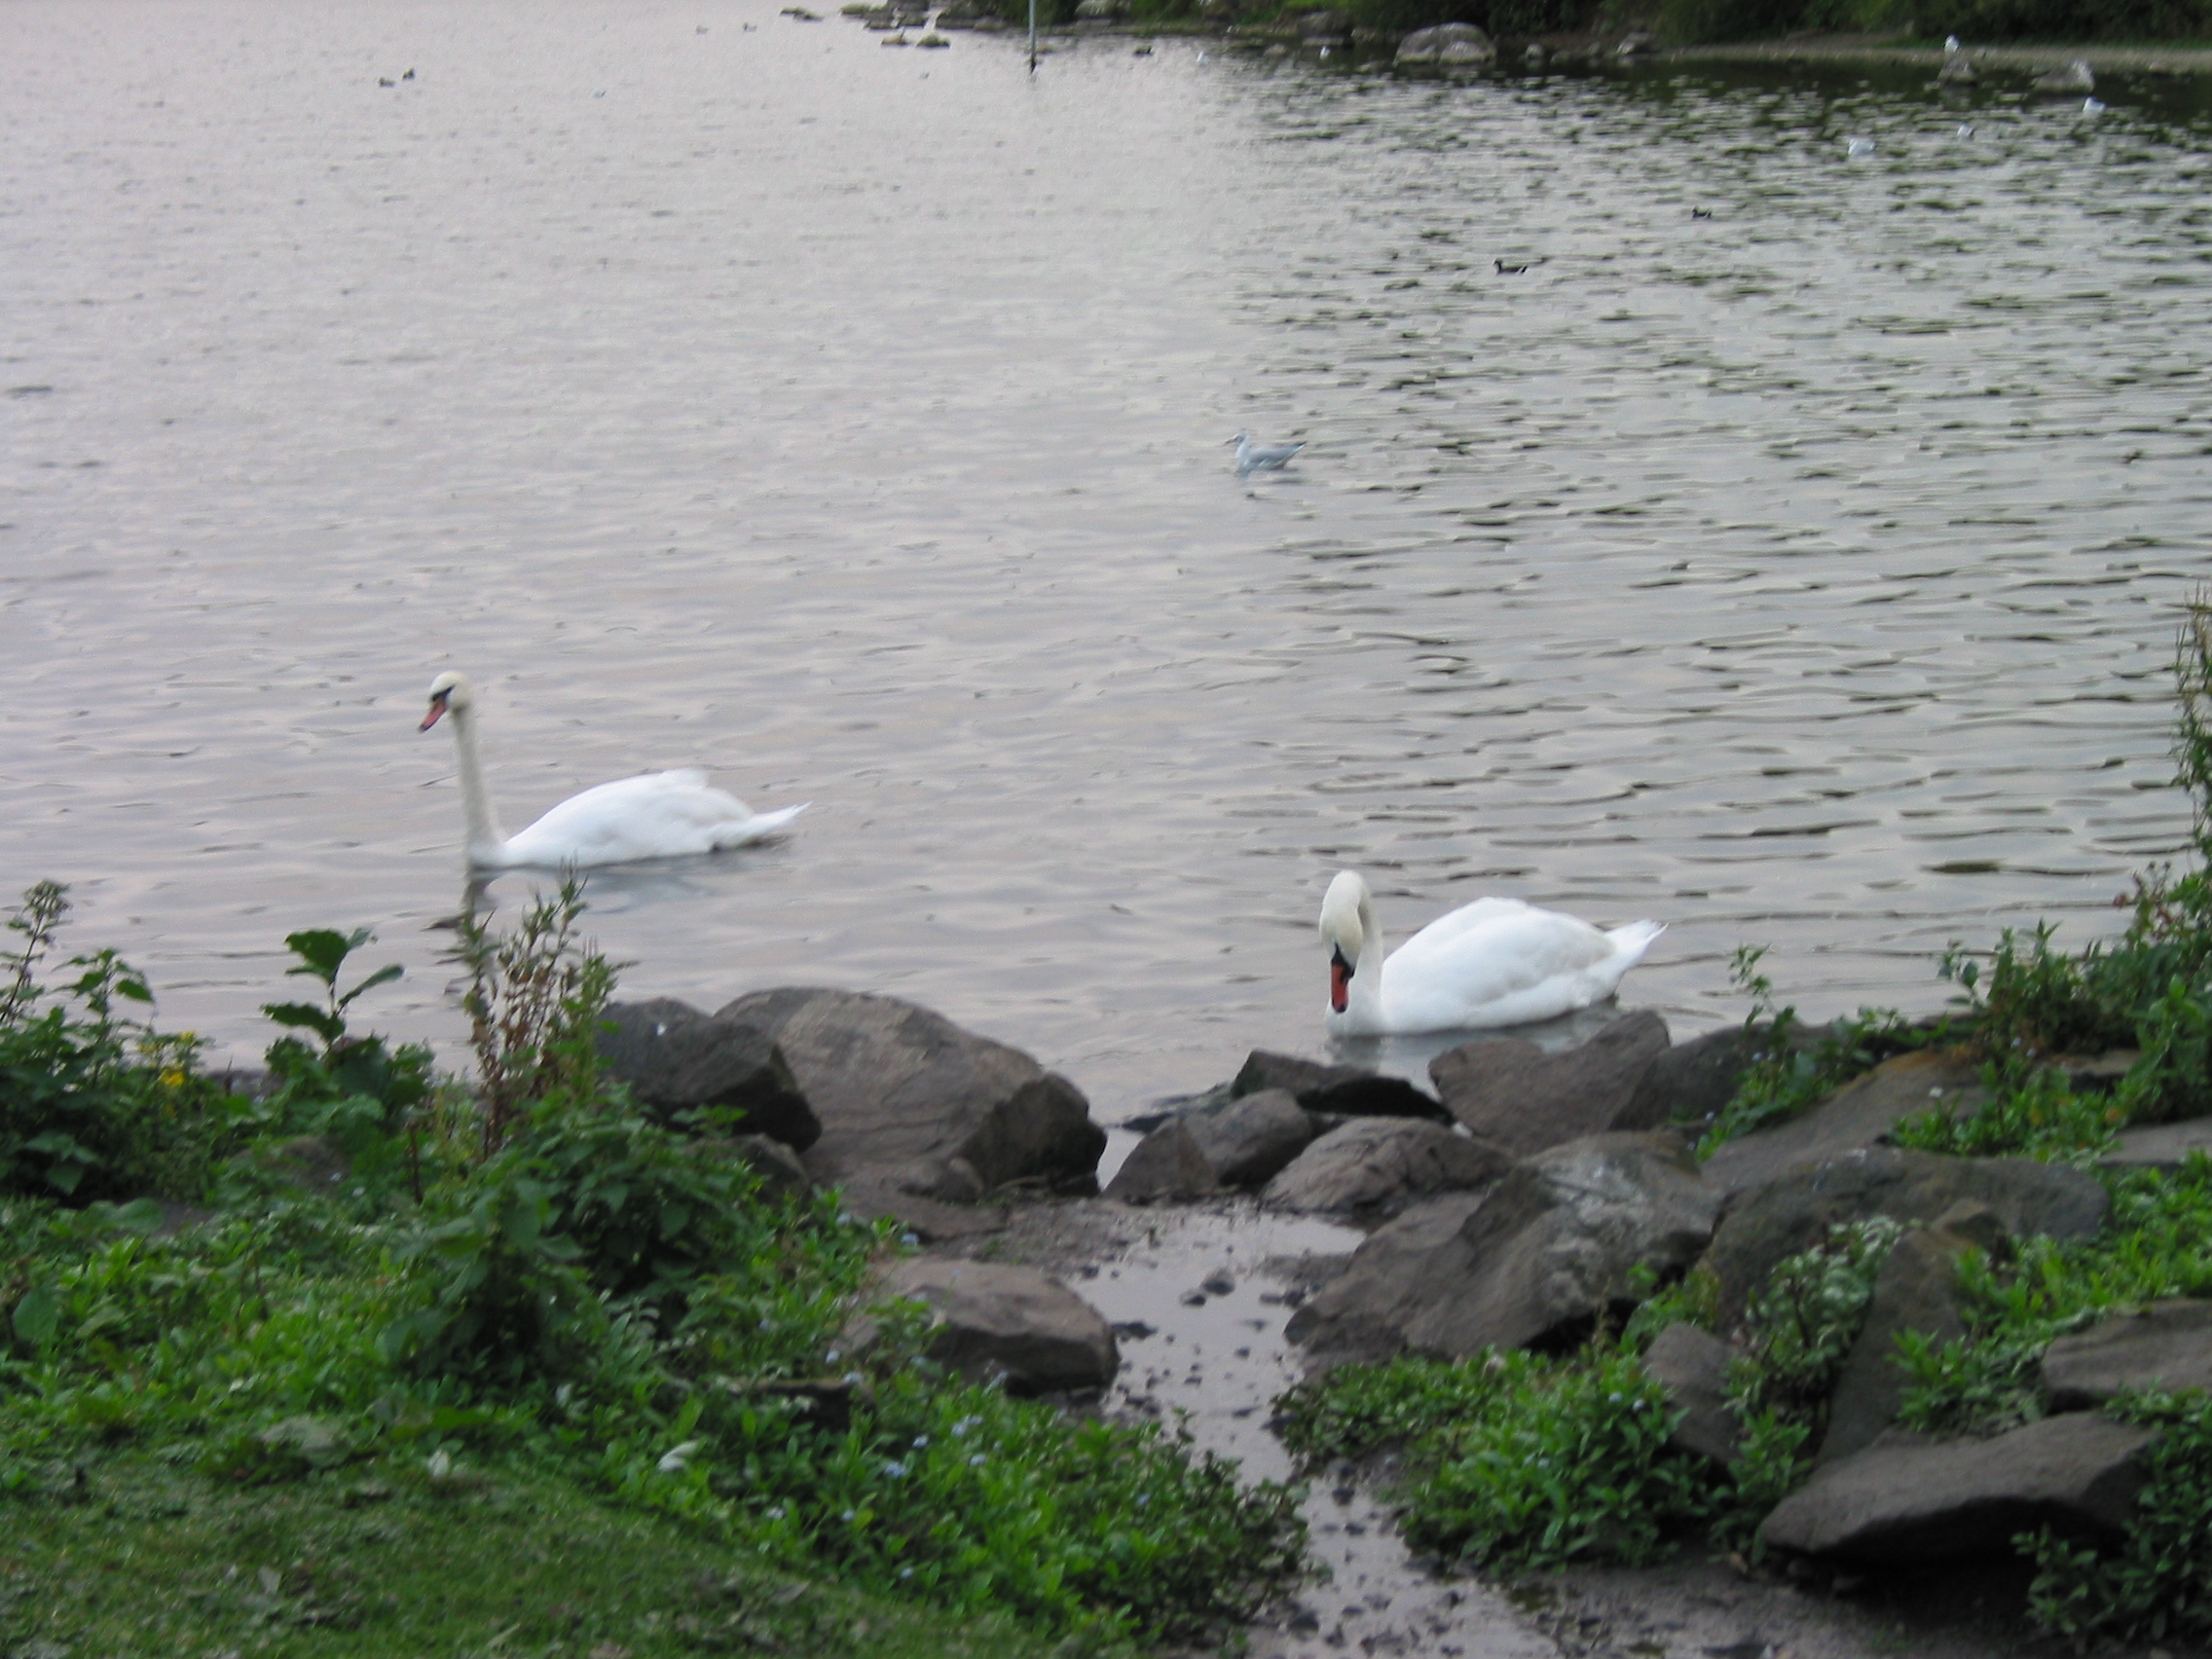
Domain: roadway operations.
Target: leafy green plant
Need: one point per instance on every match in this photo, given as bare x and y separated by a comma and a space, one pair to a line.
535, 999
95, 1104
1515, 1459
1791, 1068
2156, 1584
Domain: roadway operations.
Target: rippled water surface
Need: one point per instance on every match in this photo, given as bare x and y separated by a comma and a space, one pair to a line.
718, 388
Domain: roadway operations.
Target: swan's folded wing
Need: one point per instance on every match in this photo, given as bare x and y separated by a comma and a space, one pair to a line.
656, 815
1517, 964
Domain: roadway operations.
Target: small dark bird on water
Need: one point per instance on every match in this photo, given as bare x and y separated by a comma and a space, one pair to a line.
385, 81
1505, 270
408, 76
1701, 212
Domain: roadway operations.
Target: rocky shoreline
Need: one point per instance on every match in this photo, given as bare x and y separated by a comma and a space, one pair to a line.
1305, 1214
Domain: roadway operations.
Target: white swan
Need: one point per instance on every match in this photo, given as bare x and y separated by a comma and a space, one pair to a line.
656, 815
1494, 962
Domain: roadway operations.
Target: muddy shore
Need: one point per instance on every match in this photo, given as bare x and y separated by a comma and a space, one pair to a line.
1215, 1358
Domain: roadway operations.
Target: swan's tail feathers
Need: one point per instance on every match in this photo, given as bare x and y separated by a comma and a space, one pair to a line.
1632, 940
759, 827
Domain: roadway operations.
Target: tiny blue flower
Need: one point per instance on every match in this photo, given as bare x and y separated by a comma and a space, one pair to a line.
894, 1468
977, 1461
920, 1441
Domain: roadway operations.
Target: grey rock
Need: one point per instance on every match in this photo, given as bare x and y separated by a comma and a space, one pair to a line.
2166, 1345
1906, 1500
1858, 1115
1556, 1243
1692, 1366
1166, 1166
2074, 77
677, 1059
2164, 1146
995, 1320
319, 1443
1361, 1314
1796, 1211
1692, 1082
1559, 1241
1377, 1166
782, 1173
1319, 29
1516, 1099
1344, 1091
911, 1103
1915, 1289
1447, 44
1251, 1140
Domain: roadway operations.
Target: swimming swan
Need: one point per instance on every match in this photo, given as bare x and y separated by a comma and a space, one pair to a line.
656, 815
1494, 962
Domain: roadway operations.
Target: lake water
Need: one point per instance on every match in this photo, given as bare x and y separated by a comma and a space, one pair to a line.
718, 388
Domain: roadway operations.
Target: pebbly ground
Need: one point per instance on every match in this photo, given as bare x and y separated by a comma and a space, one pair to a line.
1215, 1356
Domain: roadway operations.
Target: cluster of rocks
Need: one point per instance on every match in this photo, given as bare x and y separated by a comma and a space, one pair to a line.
1565, 1183
1533, 1196
914, 1117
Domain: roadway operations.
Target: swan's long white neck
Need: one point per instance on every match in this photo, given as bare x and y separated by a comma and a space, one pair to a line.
1344, 923
486, 840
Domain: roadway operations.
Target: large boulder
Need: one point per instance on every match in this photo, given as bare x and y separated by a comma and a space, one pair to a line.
911, 1104
1556, 1244
1167, 1164
1377, 1166
1906, 1500
1361, 1314
995, 1321
1252, 1140
1516, 1099
677, 1060
1861, 1114
2166, 1345
1692, 1366
1692, 1082
1342, 1091
1446, 44
1794, 1212
2163, 1147
1915, 1289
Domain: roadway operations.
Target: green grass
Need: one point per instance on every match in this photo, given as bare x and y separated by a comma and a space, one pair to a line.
527, 1305
123, 1554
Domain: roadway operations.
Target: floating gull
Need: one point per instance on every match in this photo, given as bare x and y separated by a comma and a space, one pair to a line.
1965, 130
1856, 148
1261, 458
2092, 106
1950, 46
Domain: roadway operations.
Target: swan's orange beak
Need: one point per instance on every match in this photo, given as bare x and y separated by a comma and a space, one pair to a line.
437, 708
1339, 980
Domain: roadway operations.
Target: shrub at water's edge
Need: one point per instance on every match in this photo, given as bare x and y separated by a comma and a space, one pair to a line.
524, 1286
1518, 1460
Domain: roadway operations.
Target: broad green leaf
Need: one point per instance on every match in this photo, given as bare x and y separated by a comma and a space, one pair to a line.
38, 1316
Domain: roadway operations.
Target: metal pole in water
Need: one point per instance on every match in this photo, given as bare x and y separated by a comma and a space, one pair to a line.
1033, 36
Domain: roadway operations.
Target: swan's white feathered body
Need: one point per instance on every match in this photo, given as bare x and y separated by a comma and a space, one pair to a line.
656, 815
1494, 962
